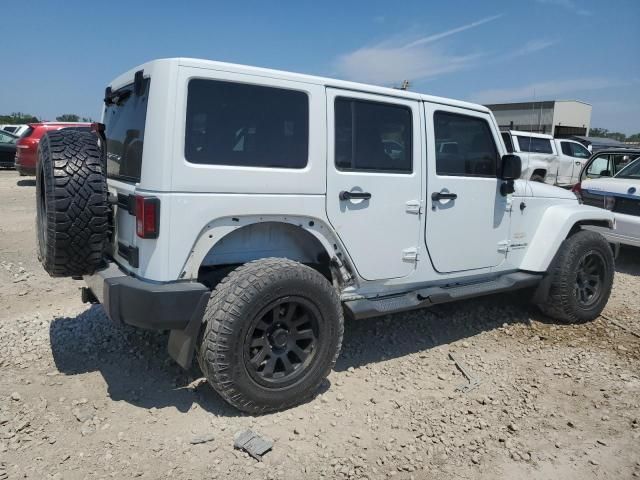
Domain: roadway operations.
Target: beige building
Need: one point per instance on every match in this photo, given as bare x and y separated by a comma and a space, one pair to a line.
560, 118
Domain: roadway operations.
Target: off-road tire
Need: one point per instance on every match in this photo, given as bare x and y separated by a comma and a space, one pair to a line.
234, 304
72, 210
561, 302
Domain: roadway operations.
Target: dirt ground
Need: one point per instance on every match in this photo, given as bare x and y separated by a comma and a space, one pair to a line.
80, 398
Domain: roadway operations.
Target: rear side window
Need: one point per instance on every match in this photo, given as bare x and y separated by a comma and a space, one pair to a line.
535, 145
124, 130
372, 136
464, 146
246, 125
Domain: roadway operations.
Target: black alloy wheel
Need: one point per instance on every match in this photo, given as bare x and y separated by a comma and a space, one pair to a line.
281, 342
589, 278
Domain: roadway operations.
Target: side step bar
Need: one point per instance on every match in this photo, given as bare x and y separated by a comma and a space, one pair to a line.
425, 297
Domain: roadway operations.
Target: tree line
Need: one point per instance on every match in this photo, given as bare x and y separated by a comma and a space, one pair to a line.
621, 137
18, 118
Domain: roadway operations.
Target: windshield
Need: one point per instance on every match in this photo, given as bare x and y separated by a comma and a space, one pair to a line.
630, 171
124, 130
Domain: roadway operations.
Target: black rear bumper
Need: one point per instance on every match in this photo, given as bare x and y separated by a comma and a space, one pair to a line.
156, 306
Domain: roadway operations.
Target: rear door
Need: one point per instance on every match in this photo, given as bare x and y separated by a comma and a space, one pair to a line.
374, 173
467, 220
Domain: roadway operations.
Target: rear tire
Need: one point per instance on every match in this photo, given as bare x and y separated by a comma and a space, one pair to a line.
273, 332
72, 212
581, 277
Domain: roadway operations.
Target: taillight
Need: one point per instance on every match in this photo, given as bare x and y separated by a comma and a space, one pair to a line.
147, 216
577, 190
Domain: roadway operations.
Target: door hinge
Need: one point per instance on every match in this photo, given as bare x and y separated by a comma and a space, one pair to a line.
503, 246
410, 254
414, 206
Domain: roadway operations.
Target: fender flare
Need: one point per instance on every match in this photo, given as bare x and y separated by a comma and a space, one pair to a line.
556, 224
214, 231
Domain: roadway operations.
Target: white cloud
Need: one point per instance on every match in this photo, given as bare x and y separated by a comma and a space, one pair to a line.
393, 61
453, 31
568, 5
544, 90
528, 48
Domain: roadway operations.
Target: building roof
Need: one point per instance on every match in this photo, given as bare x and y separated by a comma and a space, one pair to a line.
531, 105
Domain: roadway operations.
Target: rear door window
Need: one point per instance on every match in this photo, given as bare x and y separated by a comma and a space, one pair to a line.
124, 130
372, 136
534, 144
246, 125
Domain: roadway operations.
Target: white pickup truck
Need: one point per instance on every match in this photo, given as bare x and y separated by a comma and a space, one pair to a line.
546, 159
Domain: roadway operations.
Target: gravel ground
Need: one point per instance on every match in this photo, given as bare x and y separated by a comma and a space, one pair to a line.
80, 398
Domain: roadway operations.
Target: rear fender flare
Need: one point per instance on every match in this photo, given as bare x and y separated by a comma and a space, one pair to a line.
212, 233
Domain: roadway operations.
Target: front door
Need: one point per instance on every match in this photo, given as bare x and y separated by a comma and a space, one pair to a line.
467, 222
572, 158
373, 180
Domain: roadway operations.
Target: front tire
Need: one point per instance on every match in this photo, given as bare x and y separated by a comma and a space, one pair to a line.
581, 277
273, 332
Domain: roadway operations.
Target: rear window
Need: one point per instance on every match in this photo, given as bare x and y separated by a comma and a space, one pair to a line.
124, 130
27, 132
246, 125
535, 145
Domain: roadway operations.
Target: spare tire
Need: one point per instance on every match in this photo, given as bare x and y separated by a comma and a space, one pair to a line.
72, 206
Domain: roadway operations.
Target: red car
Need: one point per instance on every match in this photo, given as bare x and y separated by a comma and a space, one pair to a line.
27, 146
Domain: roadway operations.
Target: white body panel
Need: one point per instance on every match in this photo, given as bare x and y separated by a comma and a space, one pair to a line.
475, 222
482, 233
376, 247
627, 230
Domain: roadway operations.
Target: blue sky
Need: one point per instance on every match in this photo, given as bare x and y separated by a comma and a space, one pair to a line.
62, 54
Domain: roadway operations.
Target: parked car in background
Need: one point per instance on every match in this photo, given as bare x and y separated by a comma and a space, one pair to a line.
7, 149
27, 146
556, 161
619, 194
596, 144
607, 163
15, 129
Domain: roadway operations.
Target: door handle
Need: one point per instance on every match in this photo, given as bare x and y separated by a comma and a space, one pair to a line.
437, 196
344, 195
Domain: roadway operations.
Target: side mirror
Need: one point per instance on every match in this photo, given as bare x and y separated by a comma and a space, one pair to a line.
605, 173
511, 167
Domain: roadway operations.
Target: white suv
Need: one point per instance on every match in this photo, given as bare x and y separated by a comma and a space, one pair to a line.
556, 161
246, 209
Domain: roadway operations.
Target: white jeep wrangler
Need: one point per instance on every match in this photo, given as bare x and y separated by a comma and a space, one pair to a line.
246, 209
